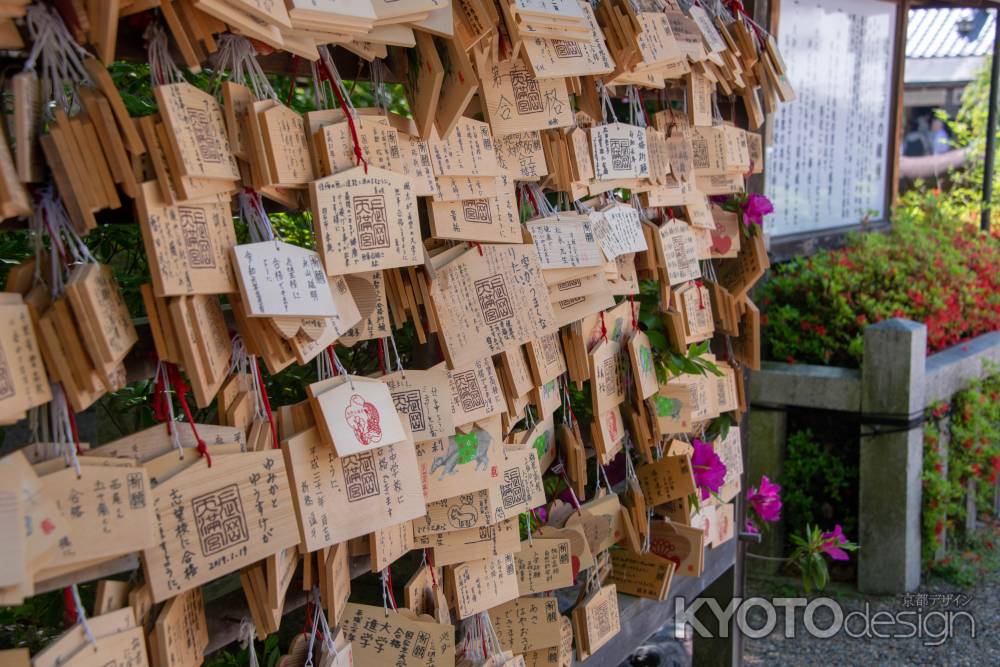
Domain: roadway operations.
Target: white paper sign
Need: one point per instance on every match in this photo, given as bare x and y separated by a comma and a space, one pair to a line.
282, 280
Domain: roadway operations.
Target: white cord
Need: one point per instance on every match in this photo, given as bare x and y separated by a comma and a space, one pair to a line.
246, 638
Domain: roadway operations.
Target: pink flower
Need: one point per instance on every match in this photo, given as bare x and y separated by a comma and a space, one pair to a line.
766, 500
831, 544
750, 527
755, 208
709, 470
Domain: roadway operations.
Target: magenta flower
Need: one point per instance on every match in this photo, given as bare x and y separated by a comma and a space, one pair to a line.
709, 470
831, 544
755, 208
766, 500
750, 528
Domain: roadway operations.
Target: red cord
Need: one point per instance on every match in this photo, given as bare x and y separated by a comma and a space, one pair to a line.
72, 427
531, 197
381, 355
638, 93
430, 564
736, 7
325, 73
701, 298
70, 616
635, 322
267, 404
604, 328
478, 246
388, 586
181, 388
55, 239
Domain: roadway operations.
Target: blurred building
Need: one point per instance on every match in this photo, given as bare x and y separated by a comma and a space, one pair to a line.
945, 48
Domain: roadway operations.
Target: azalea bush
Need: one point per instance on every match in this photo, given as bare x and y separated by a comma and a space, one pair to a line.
933, 267
812, 548
973, 453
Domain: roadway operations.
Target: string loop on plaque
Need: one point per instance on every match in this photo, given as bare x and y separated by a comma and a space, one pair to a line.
162, 68
238, 55
246, 639
59, 57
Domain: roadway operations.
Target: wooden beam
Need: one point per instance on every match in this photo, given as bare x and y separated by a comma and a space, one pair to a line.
896, 116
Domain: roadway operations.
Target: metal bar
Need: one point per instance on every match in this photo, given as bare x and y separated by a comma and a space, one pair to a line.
991, 128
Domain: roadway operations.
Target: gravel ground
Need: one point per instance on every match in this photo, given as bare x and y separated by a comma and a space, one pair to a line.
982, 602
927, 609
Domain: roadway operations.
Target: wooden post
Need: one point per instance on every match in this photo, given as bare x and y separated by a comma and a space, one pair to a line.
891, 460
768, 433
720, 649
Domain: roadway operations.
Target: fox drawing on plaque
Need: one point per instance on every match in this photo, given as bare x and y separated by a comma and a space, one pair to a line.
464, 448
364, 420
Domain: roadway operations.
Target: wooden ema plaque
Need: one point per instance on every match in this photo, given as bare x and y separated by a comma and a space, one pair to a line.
543, 565
149, 443
666, 479
485, 219
619, 152
642, 575
596, 621
556, 58
560, 655
204, 341
197, 132
282, 280
468, 150
517, 488
378, 488
476, 392
423, 399
187, 244
461, 463
680, 544
521, 155
459, 546
214, 520
369, 293
478, 585
397, 638
676, 251
565, 241
514, 100
389, 544
671, 409
23, 382
180, 635
100, 311
357, 414
527, 624
618, 229
107, 513
474, 299
606, 382
365, 221
640, 354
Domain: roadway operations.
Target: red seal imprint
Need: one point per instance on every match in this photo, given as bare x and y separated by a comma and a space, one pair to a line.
364, 420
